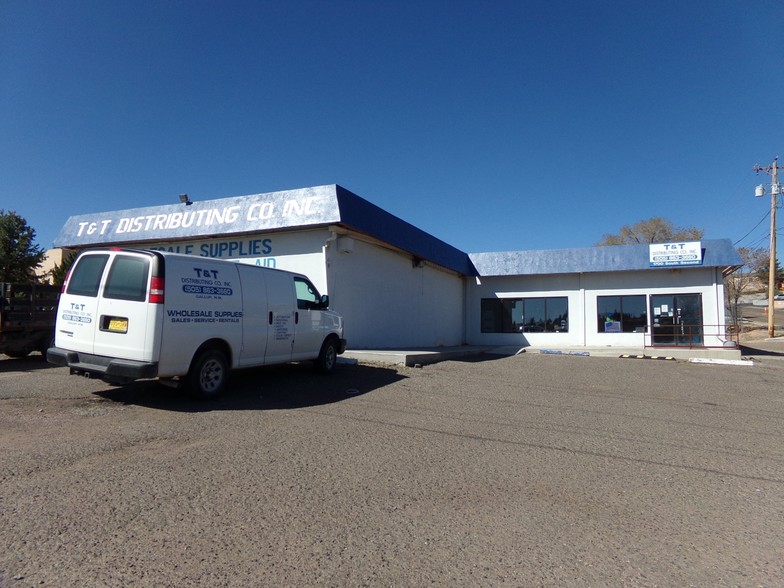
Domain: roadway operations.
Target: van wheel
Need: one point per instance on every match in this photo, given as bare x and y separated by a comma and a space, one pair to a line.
328, 357
208, 374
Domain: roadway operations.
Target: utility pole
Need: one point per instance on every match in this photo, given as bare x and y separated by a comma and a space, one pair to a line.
775, 190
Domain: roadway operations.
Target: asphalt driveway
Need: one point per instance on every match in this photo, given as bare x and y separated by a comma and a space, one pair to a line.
520, 471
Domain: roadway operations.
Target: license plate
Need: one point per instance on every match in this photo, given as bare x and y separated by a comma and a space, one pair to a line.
118, 325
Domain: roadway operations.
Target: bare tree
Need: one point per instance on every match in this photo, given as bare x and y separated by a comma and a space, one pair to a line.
652, 230
745, 280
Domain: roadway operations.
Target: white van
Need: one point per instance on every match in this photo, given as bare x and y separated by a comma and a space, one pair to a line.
128, 314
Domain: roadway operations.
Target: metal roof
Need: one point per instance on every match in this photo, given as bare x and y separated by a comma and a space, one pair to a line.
612, 258
291, 209
363, 216
322, 206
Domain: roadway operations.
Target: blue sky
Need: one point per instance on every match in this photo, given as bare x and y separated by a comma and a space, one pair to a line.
492, 125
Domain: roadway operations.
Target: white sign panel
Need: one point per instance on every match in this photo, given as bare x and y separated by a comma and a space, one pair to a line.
236, 215
674, 254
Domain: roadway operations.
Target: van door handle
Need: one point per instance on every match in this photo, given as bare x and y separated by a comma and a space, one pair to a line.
296, 318
270, 317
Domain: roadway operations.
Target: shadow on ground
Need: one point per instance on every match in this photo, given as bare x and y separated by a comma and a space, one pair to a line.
282, 387
480, 357
762, 349
33, 362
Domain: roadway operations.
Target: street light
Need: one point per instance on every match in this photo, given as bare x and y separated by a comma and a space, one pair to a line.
774, 189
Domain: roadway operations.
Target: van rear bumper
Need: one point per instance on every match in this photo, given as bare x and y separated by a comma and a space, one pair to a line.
107, 368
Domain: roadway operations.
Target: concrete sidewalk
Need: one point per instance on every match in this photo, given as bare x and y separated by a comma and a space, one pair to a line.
424, 356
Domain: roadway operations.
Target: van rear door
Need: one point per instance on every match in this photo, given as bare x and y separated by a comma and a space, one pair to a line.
126, 321
77, 312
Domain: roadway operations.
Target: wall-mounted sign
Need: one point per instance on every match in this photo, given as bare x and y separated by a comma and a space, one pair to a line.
226, 216
674, 254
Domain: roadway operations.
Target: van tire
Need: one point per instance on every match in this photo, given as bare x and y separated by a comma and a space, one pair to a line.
328, 356
208, 374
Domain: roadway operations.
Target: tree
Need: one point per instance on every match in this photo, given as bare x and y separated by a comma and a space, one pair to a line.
19, 255
756, 262
762, 271
652, 230
746, 279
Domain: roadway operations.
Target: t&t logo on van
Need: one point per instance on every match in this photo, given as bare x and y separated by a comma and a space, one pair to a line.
206, 273
206, 284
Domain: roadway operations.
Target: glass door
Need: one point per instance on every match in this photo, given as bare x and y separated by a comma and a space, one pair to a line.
677, 320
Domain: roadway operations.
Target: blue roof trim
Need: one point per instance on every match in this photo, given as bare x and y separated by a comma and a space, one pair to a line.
716, 253
365, 217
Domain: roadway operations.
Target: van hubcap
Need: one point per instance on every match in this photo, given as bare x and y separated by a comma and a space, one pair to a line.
211, 375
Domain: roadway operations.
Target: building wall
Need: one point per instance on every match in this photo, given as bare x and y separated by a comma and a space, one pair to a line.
388, 302
385, 299
582, 291
295, 251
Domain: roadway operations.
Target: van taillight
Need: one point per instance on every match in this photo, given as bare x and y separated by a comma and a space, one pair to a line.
65, 281
156, 290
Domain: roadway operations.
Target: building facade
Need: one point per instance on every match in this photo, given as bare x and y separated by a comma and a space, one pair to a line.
397, 286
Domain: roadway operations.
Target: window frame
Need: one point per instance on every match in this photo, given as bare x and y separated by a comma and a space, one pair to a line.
117, 288
505, 311
96, 265
304, 303
631, 324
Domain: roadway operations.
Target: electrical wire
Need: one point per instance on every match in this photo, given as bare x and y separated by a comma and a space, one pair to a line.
762, 241
767, 214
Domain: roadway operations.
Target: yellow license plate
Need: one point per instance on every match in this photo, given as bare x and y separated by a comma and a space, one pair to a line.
117, 325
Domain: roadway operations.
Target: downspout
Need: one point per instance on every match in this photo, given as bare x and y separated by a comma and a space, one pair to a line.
585, 309
464, 335
719, 300
333, 237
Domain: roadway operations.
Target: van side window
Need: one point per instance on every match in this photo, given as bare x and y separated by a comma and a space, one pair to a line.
127, 279
307, 295
86, 276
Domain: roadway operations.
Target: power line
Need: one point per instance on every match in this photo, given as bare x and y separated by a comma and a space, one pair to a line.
767, 214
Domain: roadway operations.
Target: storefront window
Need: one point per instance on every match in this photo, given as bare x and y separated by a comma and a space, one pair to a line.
621, 314
525, 315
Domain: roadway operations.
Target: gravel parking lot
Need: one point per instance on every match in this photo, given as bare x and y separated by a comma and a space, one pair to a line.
532, 470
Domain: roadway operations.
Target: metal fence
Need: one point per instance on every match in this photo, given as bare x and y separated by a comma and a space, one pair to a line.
693, 336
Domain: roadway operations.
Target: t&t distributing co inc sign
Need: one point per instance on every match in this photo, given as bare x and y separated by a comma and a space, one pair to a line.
675, 254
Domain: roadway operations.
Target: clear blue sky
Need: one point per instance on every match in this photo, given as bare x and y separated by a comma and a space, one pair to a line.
492, 125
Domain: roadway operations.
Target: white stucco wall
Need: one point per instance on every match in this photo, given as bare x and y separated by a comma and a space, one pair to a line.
385, 301
388, 303
582, 291
294, 251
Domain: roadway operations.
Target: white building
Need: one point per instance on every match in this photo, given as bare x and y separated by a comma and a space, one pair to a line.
398, 286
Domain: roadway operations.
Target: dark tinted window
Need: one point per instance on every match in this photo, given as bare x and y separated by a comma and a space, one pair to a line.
621, 314
128, 278
86, 276
525, 315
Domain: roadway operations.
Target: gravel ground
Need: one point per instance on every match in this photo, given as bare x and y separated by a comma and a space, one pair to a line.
533, 470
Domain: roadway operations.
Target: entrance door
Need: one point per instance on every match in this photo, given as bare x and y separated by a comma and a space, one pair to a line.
677, 319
